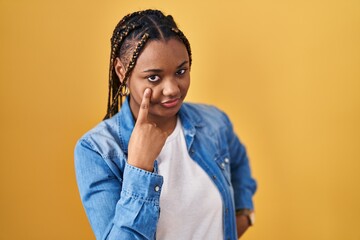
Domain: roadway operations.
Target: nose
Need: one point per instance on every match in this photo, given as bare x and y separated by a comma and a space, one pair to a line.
171, 88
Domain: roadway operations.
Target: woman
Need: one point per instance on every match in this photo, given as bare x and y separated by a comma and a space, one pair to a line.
158, 168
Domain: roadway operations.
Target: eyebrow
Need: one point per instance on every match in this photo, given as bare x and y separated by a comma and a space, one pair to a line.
160, 70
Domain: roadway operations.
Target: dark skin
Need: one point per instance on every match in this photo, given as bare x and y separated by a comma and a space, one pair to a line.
242, 224
160, 76
158, 85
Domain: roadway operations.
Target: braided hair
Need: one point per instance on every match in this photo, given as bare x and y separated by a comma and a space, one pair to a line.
128, 40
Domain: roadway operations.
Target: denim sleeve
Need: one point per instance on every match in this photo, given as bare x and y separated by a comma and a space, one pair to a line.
126, 208
243, 183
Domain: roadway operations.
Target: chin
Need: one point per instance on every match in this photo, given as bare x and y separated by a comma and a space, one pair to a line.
167, 112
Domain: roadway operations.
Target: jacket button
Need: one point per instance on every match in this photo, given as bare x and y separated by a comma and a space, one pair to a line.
157, 188
226, 160
222, 165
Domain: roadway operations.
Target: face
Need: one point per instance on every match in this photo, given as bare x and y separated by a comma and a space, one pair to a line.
164, 67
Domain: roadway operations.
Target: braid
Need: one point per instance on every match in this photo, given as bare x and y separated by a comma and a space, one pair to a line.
119, 94
129, 37
181, 35
119, 35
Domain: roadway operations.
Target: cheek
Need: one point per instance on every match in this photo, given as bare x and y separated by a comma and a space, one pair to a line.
137, 89
184, 85
156, 93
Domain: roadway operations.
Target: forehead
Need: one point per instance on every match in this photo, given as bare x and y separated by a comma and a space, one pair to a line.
161, 54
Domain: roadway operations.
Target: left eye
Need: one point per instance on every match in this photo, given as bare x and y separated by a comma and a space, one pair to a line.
154, 78
181, 72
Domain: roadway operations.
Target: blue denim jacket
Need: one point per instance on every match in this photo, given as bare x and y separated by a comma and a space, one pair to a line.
122, 201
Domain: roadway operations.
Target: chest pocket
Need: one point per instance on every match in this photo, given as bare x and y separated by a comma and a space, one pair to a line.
223, 161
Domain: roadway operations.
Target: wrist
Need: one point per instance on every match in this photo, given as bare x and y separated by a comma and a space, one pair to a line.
248, 213
141, 165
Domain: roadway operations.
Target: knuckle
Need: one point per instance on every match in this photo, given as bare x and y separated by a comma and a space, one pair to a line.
145, 97
145, 106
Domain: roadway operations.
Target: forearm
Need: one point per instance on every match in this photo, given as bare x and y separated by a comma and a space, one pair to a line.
124, 207
138, 210
243, 183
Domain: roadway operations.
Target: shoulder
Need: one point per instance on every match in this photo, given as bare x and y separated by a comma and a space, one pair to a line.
205, 113
102, 139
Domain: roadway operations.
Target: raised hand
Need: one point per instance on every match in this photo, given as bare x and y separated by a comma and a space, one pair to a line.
147, 139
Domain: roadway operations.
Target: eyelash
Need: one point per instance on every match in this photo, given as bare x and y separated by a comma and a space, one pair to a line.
178, 73
148, 78
181, 70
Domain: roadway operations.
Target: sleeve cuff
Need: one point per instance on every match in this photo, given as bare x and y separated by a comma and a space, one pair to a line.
244, 201
141, 184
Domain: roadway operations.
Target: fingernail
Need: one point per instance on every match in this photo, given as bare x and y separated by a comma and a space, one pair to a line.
147, 91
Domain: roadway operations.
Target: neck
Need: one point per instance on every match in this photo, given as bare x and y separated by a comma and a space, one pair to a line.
167, 125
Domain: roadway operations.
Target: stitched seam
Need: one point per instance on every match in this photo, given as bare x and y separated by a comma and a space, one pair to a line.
139, 197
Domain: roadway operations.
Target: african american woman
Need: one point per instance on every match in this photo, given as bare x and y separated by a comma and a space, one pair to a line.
156, 167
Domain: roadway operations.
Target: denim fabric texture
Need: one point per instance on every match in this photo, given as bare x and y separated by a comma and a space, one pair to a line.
122, 201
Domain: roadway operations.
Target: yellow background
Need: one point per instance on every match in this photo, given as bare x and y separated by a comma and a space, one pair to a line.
287, 73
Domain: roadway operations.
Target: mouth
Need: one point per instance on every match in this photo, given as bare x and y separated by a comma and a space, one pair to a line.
170, 103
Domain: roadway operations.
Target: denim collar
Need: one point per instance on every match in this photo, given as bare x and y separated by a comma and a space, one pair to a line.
126, 124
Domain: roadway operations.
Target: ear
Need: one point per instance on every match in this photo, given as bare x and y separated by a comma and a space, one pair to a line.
119, 69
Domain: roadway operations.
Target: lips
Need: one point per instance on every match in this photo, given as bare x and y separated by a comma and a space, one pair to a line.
170, 103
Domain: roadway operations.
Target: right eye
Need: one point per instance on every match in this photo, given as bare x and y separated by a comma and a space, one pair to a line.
153, 78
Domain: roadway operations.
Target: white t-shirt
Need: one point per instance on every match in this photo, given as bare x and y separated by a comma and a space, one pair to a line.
190, 203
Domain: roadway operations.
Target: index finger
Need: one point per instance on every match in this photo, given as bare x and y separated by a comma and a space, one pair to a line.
144, 106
